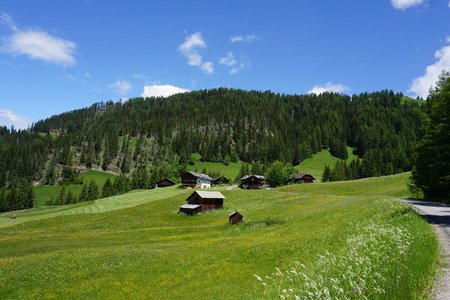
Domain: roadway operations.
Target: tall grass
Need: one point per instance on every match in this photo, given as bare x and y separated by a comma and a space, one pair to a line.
374, 264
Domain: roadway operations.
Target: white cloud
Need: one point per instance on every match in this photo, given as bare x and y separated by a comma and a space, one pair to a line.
164, 90
8, 118
234, 65
421, 85
328, 87
37, 44
121, 87
189, 49
404, 4
243, 38
228, 60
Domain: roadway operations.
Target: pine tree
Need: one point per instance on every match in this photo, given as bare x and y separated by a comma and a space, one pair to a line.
432, 155
107, 190
61, 196
70, 199
92, 191
326, 175
84, 194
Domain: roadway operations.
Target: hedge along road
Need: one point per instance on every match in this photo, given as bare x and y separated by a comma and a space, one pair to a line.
439, 216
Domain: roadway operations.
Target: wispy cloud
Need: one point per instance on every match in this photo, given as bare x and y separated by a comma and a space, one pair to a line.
121, 87
243, 38
8, 118
329, 87
165, 90
37, 44
234, 66
190, 50
404, 4
421, 85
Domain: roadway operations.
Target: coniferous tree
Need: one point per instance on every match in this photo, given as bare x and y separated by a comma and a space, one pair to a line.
431, 172
84, 194
107, 190
92, 191
61, 196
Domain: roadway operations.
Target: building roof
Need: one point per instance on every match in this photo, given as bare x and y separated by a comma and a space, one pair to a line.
300, 176
166, 179
257, 176
209, 195
190, 206
200, 175
234, 213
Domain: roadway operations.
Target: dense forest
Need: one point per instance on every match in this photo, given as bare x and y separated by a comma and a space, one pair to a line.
154, 137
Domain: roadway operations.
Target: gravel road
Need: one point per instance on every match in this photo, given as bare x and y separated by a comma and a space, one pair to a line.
439, 216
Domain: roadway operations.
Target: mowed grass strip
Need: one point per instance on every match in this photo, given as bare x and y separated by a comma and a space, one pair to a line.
130, 199
150, 251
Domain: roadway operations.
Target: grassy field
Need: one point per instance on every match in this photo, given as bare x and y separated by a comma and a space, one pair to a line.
43, 193
150, 251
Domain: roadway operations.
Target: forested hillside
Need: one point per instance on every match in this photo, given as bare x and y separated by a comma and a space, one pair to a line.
155, 137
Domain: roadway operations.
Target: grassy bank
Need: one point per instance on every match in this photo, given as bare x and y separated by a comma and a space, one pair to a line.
150, 251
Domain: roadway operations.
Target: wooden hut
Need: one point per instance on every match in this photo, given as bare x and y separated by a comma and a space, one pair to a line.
165, 183
302, 178
235, 217
253, 182
207, 200
190, 209
195, 180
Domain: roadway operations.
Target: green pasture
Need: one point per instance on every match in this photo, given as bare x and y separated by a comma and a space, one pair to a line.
137, 246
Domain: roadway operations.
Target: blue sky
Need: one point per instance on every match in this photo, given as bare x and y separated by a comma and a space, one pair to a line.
57, 56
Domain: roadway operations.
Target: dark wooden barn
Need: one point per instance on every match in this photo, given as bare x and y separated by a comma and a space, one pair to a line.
195, 180
190, 209
165, 183
235, 217
302, 178
220, 180
253, 182
208, 200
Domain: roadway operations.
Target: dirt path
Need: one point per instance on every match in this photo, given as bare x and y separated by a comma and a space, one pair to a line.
439, 216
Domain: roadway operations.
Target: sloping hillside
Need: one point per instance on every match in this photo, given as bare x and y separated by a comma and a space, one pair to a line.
126, 253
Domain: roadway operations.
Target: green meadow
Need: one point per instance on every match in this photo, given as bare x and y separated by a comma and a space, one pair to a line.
43, 193
137, 246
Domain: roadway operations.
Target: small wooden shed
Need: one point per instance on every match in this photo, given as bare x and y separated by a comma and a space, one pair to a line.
302, 177
235, 217
165, 182
190, 209
207, 200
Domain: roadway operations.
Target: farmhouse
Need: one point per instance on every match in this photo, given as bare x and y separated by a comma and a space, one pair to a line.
195, 180
200, 201
253, 182
220, 180
302, 178
165, 182
235, 217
